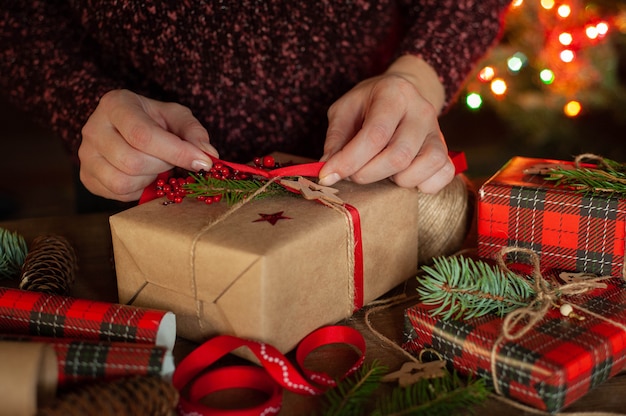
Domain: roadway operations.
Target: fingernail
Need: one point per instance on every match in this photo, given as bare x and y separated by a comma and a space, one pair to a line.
330, 179
198, 165
324, 157
211, 150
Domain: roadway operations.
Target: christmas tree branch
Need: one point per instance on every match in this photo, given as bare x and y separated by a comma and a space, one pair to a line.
609, 177
13, 250
441, 396
231, 190
464, 288
428, 396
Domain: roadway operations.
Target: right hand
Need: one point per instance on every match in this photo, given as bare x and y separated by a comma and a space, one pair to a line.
129, 139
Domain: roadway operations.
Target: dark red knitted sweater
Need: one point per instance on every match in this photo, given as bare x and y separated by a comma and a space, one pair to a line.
259, 74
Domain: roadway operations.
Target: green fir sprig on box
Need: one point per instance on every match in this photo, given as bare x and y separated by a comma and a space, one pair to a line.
13, 251
231, 191
463, 288
608, 178
359, 394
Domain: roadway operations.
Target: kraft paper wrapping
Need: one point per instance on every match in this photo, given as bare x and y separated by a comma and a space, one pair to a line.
272, 283
28, 377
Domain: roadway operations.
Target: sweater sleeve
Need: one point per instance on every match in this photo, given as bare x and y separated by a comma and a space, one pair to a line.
452, 35
49, 69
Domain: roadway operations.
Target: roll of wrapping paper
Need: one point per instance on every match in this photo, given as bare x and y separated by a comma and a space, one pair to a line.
39, 314
28, 378
79, 360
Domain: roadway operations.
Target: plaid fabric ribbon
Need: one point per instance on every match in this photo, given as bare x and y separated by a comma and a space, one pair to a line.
567, 229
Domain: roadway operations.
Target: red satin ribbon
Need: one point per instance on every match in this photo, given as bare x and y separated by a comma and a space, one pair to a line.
276, 374
305, 169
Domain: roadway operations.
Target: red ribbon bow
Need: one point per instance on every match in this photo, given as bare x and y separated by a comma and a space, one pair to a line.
276, 373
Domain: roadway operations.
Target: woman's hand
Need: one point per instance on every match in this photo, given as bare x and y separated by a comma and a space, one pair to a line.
130, 139
387, 127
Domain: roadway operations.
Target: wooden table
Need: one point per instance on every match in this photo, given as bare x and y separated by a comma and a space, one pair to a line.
90, 236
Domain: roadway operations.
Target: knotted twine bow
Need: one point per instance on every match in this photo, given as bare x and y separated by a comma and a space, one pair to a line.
547, 294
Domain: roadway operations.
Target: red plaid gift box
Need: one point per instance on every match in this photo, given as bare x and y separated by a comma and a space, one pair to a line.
555, 363
567, 229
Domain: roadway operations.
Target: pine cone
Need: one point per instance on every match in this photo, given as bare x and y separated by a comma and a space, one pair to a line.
50, 266
139, 395
13, 250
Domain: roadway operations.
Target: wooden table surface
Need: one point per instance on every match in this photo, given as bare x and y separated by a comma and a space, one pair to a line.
91, 238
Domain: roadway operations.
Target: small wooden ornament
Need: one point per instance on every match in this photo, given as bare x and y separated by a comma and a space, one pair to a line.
411, 372
50, 266
311, 190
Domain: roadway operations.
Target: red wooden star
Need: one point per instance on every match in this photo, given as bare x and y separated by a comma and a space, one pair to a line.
272, 218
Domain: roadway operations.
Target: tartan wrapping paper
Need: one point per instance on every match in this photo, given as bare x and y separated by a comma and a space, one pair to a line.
80, 360
40, 314
567, 229
555, 363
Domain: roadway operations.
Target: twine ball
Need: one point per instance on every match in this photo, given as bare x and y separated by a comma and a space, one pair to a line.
444, 220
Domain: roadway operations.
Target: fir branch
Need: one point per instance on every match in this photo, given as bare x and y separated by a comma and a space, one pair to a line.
436, 396
440, 396
352, 394
463, 288
609, 178
231, 190
13, 250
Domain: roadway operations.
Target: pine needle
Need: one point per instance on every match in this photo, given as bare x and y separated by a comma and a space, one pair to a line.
436, 396
13, 250
440, 396
352, 394
463, 288
231, 190
609, 179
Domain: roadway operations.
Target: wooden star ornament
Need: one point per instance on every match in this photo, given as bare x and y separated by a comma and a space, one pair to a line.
311, 190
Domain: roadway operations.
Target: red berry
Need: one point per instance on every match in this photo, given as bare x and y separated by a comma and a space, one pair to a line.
268, 162
217, 198
160, 182
257, 161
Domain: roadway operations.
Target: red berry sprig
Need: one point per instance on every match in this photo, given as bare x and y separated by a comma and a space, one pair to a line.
177, 188
173, 188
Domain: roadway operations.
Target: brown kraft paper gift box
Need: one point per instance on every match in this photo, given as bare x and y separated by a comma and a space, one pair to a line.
244, 276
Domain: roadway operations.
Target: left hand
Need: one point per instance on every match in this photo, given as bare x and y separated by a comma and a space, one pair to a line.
387, 127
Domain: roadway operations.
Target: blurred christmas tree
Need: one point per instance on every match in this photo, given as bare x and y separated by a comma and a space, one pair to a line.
558, 76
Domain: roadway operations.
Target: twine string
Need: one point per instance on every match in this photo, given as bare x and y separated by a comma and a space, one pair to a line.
194, 243
518, 322
350, 248
205, 229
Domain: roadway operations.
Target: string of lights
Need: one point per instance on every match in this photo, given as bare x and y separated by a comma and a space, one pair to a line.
554, 55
